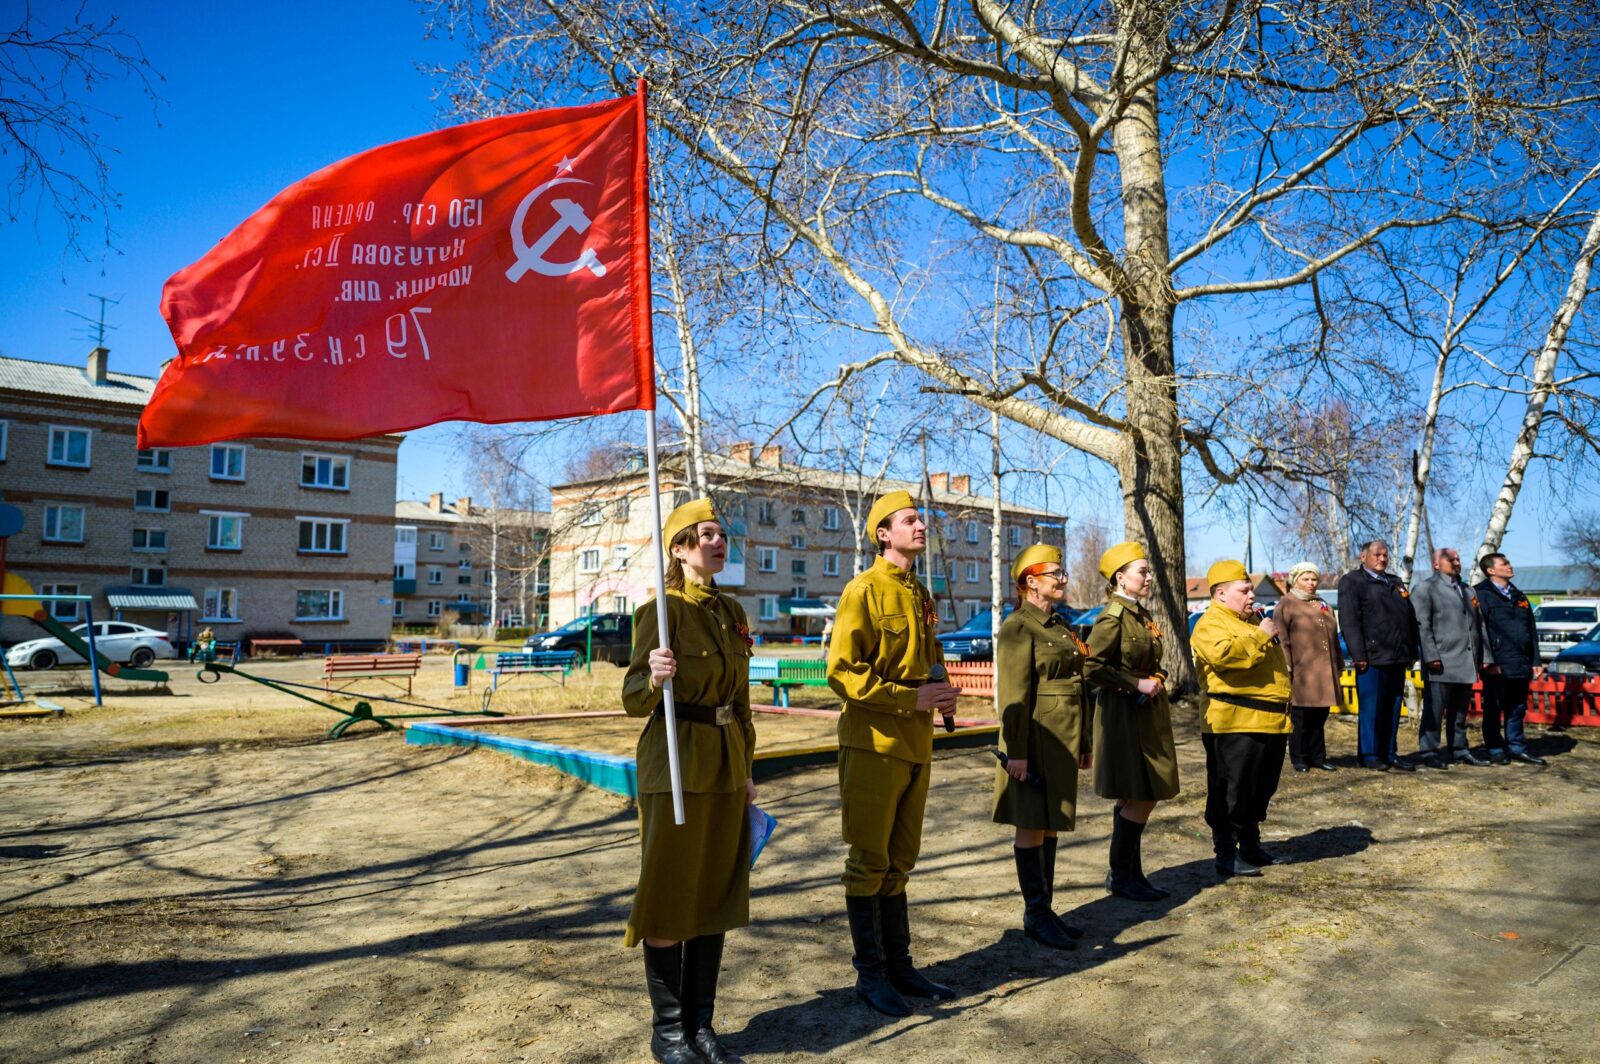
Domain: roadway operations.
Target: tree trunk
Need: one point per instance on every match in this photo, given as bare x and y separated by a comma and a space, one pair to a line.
996, 556
695, 465
1544, 372
1423, 467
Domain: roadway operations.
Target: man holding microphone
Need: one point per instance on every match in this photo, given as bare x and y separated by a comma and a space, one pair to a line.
884, 661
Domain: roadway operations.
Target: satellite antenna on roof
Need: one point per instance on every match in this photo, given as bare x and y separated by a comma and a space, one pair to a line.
97, 326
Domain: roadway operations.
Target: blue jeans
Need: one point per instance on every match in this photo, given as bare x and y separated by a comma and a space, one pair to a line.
1378, 693
1504, 699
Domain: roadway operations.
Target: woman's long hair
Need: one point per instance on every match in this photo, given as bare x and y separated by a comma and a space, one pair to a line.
687, 538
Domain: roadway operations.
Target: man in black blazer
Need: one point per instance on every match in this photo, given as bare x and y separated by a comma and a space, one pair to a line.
1380, 632
1511, 661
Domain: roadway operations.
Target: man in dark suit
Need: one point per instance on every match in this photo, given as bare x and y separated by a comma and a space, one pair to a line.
1380, 632
1511, 661
1452, 651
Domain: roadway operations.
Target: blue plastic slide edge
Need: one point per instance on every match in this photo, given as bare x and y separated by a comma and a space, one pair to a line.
619, 775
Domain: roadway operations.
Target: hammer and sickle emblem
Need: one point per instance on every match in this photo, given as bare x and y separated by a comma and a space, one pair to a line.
568, 216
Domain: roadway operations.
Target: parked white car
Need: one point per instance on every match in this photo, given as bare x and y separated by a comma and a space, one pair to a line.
116, 640
1564, 621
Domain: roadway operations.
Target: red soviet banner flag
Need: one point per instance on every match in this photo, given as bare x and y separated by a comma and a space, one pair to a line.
495, 271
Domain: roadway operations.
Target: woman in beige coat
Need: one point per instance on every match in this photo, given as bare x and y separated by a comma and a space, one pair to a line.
1311, 645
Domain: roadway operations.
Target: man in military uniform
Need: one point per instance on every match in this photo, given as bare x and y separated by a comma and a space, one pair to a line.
1380, 634
880, 659
1246, 680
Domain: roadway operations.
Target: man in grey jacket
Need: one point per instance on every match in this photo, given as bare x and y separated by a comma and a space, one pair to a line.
1452, 654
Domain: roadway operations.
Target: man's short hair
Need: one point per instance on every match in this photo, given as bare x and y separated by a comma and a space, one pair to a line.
1490, 559
1369, 544
1445, 552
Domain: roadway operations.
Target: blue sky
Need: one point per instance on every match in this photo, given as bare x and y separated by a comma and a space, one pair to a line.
255, 97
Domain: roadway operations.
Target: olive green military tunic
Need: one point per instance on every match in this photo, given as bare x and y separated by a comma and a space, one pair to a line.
694, 879
1134, 755
1039, 670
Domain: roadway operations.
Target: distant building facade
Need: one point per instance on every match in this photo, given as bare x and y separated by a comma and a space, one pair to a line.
444, 555
252, 537
794, 538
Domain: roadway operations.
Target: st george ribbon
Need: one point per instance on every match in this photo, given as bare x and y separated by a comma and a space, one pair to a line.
496, 271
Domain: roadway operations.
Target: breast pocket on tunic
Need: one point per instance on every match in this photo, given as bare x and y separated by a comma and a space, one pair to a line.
895, 632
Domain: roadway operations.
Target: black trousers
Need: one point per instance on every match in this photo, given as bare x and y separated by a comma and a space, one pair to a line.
1249, 765
1216, 798
1308, 745
1444, 705
1505, 701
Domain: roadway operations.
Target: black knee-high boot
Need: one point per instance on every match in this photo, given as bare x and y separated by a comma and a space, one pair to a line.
1138, 862
1038, 922
702, 964
872, 974
1047, 864
895, 912
1121, 880
663, 977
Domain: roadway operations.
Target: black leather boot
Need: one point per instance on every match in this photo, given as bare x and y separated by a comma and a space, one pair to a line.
1047, 865
1038, 922
1121, 880
702, 963
1250, 849
663, 977
903, 975
872, 975
1138, 862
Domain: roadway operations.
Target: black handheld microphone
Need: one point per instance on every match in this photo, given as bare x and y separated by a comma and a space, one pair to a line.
1033, 778
937, 674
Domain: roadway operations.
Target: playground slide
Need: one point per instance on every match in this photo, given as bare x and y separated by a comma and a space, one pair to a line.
35, 612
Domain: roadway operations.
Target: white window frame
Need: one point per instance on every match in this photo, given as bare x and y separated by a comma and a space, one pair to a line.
75, 609
435, 608
139, 576
335, 604
147, 548
327, 524
766, 607
335, 461
5, 435
465, 564
972, 572
399, 609
436, 541
211, 600
972, 531
620, 557
589, 560
830, 563
405, 534
797, 567
593, 514
947, 609
1016, 535
227, 448
435, 575
766, 559
65, 433
215, 522
972, 608
830, 519
797, 542
622, 509
155, 465
56, 510
154, 494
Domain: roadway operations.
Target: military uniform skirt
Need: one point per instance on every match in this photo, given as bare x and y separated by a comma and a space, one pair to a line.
1135, 759
694, 878
1053, 740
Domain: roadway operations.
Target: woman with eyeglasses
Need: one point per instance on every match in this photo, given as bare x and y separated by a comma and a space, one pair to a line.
1044, 735
1135, 758
694, 878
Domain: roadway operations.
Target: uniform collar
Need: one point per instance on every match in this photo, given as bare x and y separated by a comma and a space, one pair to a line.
1045, 617
699, 594
888, 568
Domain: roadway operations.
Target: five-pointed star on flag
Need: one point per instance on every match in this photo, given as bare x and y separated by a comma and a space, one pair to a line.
566, 164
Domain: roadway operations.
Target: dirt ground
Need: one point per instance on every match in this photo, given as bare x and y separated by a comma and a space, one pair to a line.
194, 875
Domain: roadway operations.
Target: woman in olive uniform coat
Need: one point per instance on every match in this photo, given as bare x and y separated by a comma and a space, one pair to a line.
1043, 734
1135, 760
694, 879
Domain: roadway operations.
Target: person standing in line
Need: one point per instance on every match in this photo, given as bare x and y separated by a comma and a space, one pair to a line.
1135, 758
1245, 676
1310, 639
1511, 661
1043, 734
885, 663
694, 878
1380, 631
1452, 655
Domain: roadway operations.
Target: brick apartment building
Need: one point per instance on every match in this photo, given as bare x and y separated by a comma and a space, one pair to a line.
793, 538
254, 537
442, 558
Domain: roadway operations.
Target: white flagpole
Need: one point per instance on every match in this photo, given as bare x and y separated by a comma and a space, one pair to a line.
667, 708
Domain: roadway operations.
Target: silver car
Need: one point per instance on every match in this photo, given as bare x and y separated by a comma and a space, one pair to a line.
115, 640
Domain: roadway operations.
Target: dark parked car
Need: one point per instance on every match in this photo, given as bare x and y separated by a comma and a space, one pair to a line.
1579, 659
612, 637
974, 641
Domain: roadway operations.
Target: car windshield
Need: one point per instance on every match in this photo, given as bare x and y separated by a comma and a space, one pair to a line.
1593, 636
576, 625
1566, 614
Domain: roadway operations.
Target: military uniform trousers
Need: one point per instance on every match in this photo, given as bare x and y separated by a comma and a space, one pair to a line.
882, 799
1378, 692
1505, 700
1222, 839
1444, 708
1248, 766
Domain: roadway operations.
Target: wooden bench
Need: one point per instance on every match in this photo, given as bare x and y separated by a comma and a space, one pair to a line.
533, 662
274, 645
345, 669
782, 674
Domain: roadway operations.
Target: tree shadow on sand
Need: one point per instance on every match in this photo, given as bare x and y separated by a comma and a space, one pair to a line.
833, 1018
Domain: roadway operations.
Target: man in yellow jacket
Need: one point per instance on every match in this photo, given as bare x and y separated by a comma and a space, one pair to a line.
884, 661
1246, 680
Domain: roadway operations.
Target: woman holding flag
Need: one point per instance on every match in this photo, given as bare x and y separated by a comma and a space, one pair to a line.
694, 878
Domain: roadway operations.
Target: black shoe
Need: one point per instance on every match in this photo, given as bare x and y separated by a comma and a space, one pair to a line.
1529, 759
1434, 761
1047, 866
1379, 766
872, 977
903, 975
1130, 888
702, 964
1254, 854
1471, 758
1241, 867
1499, 759
1301, 768
1038, 922
663, 978
1402, 765
1224, 866
1324, 766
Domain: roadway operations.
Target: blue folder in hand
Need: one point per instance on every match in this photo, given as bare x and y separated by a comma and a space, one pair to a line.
761, 825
